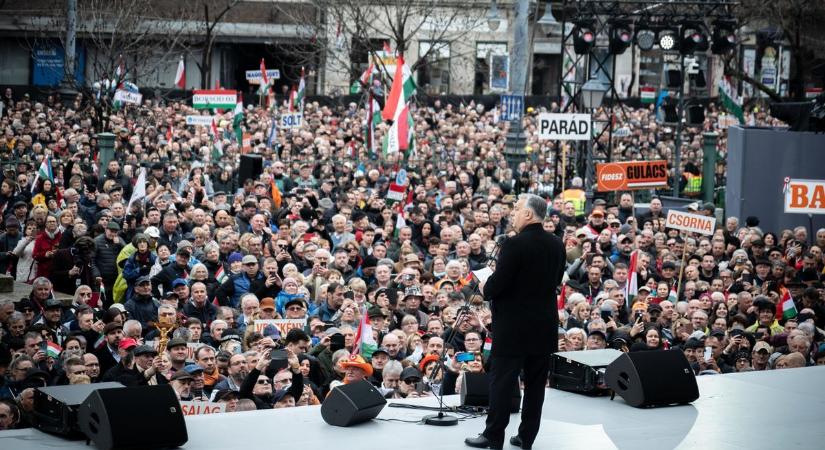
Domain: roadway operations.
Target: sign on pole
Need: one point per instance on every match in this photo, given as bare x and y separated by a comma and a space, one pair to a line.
512, 107
254, 76
565, 127
292, 120
622, 176
692, 223
214, 98
124, 96
805, 196
205, 121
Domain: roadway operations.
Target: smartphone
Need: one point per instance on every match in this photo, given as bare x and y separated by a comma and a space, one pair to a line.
463, 357
747, 278
43, 346
607, 315
708, 353
639, 315
278, 355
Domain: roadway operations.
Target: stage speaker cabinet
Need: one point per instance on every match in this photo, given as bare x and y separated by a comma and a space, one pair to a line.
671, 115
55, 407
143, 417
673, 78
475, 391
351, 404
695, 115
581, 372
250, 168
647, 379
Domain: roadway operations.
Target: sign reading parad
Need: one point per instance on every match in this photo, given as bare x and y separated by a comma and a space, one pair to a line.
566, 127
805, 197
692, 223
622, 176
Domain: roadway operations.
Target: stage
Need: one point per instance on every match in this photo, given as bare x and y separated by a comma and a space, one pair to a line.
757, 410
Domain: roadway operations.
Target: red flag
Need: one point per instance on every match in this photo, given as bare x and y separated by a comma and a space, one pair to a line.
264, 78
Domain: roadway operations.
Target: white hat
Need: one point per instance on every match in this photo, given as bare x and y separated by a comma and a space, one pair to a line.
152, 232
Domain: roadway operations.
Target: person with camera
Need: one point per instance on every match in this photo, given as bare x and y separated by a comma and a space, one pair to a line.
258, 386
75, 266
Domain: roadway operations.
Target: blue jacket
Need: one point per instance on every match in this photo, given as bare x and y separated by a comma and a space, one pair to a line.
230, 292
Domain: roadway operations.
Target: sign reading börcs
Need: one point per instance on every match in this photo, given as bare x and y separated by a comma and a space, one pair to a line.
564, 127
623, 176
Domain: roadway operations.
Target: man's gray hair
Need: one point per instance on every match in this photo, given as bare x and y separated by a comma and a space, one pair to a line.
392, 367
535, 203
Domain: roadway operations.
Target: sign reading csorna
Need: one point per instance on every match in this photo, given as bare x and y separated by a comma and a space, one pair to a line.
692, 223
565, 127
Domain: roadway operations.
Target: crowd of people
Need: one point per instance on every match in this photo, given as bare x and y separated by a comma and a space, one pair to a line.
316, 239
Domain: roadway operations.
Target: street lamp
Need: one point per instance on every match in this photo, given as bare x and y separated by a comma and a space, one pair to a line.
493, 17
549, 25
593, 93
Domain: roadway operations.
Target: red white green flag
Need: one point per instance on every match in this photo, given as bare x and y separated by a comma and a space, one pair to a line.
364, 342
787, 307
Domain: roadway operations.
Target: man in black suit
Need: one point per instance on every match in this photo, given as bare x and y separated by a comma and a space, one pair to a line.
522, 294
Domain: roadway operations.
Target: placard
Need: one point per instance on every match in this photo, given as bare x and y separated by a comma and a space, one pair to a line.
205, 121
124, 96
283, 325
254, 76
292, 120
805, 196
622, 176
193, 408
214, 98
692, 223
565, 127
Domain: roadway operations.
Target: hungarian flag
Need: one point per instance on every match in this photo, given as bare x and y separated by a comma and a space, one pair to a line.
488, 347
138, 194
787, 307
44, 172
399, 223
560, 300
632, 286
363, 80
265, 86
53, 350
237, 121
180, 76
397, 110
291, 101
364, 342
217, 145
673, 296
730, 99
299, 95
220, 275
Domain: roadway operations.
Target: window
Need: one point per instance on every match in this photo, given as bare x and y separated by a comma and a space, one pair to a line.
434, 70
484, 55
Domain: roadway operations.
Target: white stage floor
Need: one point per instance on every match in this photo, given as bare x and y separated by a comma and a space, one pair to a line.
757, 410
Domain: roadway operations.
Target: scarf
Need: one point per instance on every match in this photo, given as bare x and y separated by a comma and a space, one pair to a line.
209, 379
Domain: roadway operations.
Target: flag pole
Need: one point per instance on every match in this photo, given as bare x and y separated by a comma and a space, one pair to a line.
682, 266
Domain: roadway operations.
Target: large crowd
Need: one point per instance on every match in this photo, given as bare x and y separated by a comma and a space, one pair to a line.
260, 293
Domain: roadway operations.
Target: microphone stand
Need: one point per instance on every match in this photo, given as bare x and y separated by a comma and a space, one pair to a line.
442, 419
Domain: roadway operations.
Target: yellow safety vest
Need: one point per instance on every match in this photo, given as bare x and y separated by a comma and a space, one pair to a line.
694, 184
577, 197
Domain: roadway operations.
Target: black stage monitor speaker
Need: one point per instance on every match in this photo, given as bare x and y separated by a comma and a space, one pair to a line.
143, 417
653, 378
670, 113
351, 404
55, 407
475, 391
251, 168
581, 372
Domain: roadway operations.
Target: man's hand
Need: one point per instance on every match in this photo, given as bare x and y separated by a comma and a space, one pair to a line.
263, 363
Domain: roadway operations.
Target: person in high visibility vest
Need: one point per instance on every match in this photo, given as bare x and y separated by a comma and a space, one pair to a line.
576, 195
693, 185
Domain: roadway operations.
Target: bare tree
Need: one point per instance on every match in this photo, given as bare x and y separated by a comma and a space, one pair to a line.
344, 32
214, 12
799, 23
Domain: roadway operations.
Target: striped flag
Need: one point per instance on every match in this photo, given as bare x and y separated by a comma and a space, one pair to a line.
44, 172
180, 76
730, 99
299, 95
397, 110
220, 275
237, 121
53, 350
632, 286
787, 307
137, 194
364, 342
673, 296
488, 347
